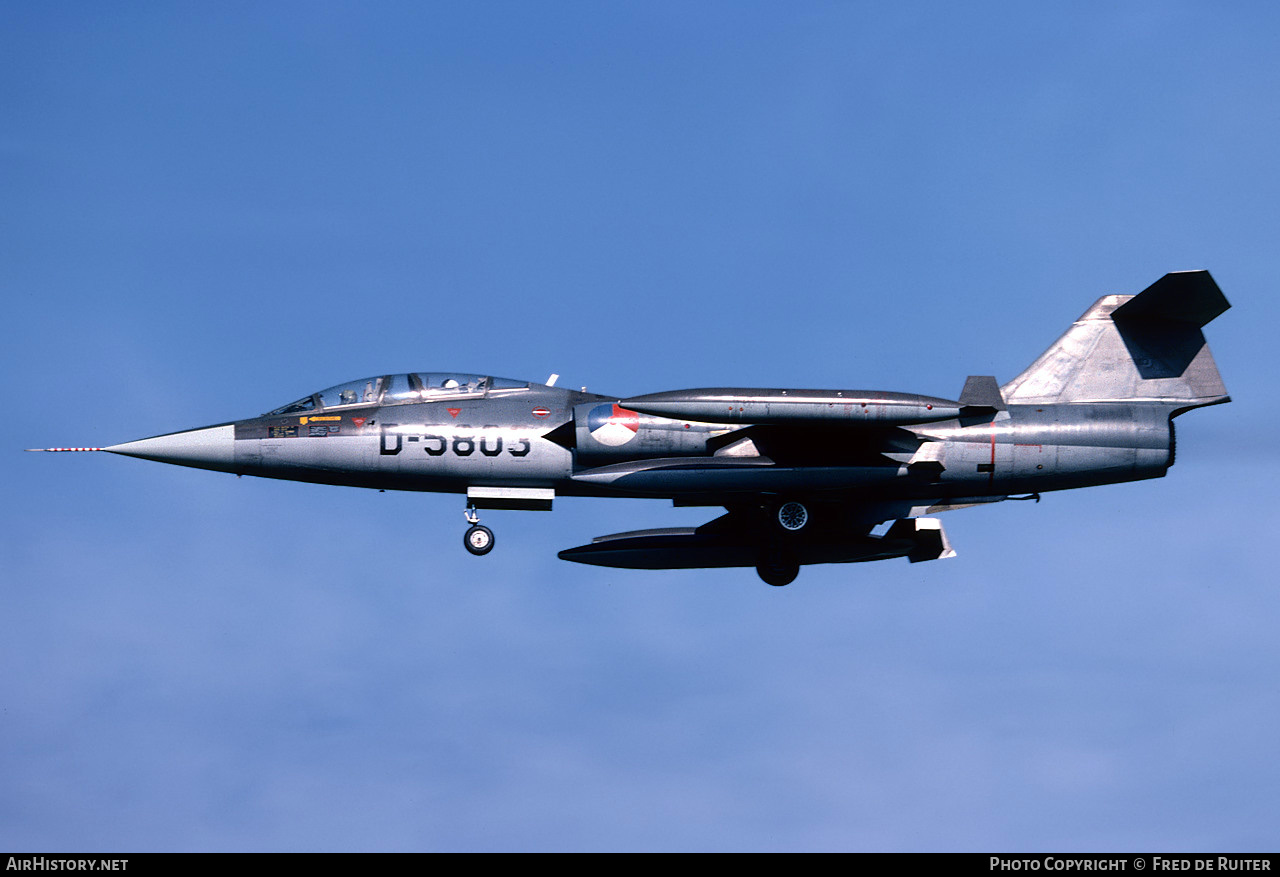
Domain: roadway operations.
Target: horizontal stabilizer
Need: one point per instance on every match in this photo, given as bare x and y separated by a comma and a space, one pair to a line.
1190, 297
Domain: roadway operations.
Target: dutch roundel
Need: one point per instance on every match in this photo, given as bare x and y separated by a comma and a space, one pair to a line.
612, 425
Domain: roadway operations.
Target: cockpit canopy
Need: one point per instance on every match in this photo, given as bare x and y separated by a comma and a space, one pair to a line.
404, 390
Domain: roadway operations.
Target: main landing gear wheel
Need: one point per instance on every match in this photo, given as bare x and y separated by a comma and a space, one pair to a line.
792, 516
478, 539
777, 568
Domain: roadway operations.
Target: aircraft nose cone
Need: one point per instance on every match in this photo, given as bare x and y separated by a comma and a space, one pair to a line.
210, 448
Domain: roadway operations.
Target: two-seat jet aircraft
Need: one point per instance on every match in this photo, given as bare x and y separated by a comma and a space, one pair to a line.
805, 476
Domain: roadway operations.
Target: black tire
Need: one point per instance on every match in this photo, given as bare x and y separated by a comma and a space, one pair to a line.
777, 568
478, 540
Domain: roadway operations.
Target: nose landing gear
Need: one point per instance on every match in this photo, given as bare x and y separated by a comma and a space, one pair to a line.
478, 539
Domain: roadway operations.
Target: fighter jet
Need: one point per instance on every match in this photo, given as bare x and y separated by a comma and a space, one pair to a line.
803, 476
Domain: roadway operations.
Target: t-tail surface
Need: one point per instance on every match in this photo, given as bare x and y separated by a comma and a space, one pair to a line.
1142, 348
803, 476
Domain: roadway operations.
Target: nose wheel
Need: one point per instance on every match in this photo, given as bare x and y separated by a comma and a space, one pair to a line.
478, 539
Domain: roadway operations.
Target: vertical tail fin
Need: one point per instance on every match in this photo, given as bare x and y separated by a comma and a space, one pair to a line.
1144, 347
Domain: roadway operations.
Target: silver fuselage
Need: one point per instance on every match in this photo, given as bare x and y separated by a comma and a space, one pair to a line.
528, 439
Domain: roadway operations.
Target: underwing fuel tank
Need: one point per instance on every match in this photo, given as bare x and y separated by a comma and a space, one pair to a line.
916, 539
754, 406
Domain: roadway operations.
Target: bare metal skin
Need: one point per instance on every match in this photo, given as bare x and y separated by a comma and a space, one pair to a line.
804, 475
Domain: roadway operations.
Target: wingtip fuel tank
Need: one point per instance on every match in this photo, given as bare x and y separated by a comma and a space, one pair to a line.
795, 407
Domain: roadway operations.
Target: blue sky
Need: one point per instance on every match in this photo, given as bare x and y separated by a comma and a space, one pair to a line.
212, 209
